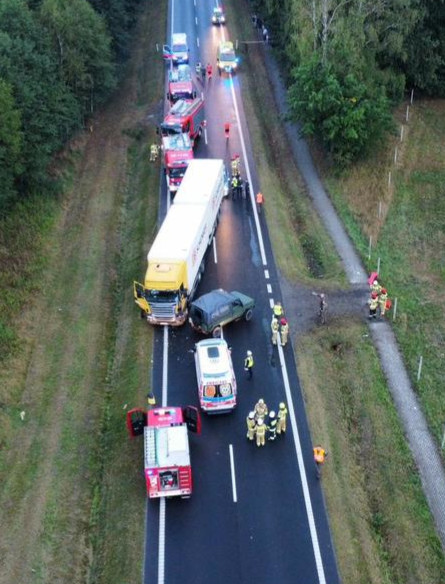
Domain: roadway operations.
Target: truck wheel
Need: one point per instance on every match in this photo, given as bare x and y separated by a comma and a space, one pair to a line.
216, 333
248, 315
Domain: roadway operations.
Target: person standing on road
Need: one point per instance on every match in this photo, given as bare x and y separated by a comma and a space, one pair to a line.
284, 331
235, 186
227, 130
260, 432
260, 410
373, 305
246, 189
209, 71
272, 426
278, 310
248, 364
282, 418
275, 327
251, 426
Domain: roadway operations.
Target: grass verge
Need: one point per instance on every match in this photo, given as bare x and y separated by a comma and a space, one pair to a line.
380, 520
409, 240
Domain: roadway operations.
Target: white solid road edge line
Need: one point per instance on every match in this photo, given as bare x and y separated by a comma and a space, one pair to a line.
161, 542
232, 471
307, 497
246, 164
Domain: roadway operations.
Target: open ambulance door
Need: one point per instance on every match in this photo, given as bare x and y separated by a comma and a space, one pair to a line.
136, 421
167, 53
139, 297
192, 419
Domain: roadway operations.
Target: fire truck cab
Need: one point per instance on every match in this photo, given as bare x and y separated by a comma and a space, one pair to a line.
180, 84
185, 116
177, 152
167, 467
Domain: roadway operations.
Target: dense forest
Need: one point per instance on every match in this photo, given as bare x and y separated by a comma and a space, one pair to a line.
59, 59
350, 61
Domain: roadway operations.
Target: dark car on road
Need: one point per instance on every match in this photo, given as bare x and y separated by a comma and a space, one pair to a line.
218, 16
210, 312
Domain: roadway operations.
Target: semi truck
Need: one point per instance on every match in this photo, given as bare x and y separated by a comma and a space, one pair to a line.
167, 468
177, 152
176, 258
185, 116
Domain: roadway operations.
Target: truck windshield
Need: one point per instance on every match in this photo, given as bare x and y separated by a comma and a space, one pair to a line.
179, 48
170, 130
229, 56
177, 172
162, 296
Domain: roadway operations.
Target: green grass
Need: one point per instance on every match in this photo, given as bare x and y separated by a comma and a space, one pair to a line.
380, 520
411, 248
23, 236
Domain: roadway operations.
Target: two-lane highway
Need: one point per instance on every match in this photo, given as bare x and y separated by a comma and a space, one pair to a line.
255, 513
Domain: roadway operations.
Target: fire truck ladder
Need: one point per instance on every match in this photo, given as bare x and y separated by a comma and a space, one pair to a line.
150, 447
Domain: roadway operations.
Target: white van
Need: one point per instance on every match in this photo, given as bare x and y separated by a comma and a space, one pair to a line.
215, 375
179, 48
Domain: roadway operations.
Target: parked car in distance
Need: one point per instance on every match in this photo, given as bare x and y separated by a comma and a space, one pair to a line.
218, 16
215, 376
210, 312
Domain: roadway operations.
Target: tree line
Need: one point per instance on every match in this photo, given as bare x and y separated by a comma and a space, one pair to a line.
350, 61
59, 59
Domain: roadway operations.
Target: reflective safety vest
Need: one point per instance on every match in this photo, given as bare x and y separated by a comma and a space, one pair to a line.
319, 454
248, 362
278, 310
373, 303
250, 423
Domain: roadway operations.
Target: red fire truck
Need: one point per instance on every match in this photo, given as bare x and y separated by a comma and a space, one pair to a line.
185, 116
180, 85
168, 472
177, 152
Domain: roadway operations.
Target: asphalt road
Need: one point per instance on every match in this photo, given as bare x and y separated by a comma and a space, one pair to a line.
254, 513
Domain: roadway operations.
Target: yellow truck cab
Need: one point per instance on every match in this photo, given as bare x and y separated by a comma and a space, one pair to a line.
226, 58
